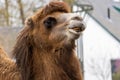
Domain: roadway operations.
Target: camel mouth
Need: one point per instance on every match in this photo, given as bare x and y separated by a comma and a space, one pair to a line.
76, 30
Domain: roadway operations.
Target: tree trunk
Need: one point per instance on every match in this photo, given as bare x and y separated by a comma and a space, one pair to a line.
21, 11
6, 12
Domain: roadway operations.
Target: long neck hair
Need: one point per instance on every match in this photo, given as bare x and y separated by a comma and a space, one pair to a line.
23, 52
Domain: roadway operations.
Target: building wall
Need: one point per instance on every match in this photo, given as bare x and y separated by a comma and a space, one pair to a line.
99, 48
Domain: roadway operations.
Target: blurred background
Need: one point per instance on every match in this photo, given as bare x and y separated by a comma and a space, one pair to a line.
98, 48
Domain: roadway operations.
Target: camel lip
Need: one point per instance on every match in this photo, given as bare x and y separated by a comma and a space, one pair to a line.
76, 29
76, 32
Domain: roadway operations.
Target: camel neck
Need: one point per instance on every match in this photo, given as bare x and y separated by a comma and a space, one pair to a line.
46, 65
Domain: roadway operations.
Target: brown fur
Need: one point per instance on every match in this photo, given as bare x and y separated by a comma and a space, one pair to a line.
39, 55
8, 69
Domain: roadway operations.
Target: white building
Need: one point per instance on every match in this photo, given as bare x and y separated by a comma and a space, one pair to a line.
100, 42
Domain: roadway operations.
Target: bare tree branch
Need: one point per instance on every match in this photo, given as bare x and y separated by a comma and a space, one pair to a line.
6, 12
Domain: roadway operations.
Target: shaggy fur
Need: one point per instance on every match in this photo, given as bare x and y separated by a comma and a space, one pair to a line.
39, 54
8, 69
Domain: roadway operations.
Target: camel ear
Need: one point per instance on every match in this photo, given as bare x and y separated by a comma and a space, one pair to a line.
29, 22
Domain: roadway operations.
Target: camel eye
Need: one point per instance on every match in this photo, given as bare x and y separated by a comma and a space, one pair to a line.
50, 22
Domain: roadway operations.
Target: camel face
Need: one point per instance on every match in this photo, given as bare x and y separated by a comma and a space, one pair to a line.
63, 27
75, 25
55, 24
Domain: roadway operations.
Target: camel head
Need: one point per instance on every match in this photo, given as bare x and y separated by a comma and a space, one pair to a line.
54, 24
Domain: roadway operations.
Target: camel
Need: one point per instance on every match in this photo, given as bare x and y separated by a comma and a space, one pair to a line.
45, 48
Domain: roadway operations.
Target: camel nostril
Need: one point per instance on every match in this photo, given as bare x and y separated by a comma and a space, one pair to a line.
82, 27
